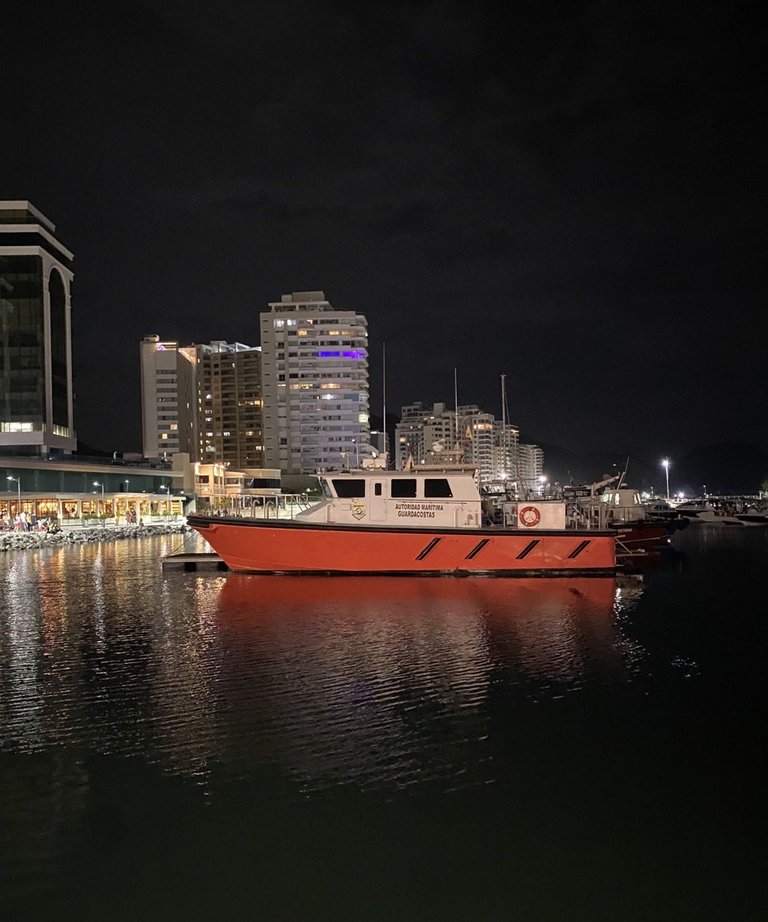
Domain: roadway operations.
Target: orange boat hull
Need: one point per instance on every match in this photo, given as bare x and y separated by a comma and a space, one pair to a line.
259, 546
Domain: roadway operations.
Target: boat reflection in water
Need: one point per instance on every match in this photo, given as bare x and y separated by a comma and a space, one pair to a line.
379, 682
382, 680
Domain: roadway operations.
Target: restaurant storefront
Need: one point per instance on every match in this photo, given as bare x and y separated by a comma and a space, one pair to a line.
69, 493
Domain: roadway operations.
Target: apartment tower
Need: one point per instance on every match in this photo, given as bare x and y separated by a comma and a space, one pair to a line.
168, 398
229, 404
314, 385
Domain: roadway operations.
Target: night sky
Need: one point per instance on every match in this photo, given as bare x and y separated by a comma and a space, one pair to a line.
571, 194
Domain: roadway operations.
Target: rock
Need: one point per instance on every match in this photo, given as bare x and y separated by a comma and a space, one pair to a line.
32, 540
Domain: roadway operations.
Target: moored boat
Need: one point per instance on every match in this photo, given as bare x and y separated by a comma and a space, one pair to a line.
723, 511
621, 508
421, 522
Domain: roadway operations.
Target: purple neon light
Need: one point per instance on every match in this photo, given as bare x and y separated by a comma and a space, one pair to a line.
349, 354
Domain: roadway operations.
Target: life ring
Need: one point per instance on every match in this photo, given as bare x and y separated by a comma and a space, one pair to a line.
529, 516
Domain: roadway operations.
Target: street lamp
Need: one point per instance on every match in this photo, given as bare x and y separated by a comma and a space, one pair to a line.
98, 483
168, 499
18, 484
665, 465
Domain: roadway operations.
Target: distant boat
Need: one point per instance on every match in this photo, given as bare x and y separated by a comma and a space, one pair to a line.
717, 511
753, 517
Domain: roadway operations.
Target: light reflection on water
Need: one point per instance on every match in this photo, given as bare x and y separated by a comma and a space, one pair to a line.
207, 746
368, 681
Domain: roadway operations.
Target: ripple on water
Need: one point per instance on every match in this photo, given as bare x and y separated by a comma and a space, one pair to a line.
370, 681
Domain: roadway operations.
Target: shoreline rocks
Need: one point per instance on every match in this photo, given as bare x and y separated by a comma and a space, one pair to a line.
33, 540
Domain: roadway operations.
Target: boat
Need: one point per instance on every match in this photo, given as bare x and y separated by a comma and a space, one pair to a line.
639, 526
425, 521
753, 515
719, 511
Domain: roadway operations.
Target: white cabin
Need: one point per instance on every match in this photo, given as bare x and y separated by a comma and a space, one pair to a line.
446, 498
421, 498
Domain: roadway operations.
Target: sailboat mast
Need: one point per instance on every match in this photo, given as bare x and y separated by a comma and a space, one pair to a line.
456, 407
384, 398
504, 445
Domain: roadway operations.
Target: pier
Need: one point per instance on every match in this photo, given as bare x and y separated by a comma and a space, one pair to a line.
191, 563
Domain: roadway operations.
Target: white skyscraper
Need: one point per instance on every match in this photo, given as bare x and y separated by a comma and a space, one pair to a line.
314, 385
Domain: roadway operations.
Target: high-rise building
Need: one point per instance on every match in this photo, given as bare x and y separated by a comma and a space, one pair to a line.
36, 407
467, 435
506, 442
314, 384
477, 430
229, 404
530, 467
423, 433
168, 398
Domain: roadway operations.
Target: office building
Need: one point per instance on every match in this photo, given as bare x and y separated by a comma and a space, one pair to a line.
36, 406
314, 385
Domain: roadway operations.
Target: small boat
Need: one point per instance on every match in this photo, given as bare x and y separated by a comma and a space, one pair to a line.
753, 516
428, 521
711, 512
639, 527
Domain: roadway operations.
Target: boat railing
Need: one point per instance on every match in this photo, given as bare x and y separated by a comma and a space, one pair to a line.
585, 514
248, 506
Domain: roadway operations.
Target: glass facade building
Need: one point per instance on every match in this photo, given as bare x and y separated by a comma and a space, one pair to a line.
36, 413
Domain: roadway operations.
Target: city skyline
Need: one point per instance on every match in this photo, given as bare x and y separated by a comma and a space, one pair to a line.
573, 202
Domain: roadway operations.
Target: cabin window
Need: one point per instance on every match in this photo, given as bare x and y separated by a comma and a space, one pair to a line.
403, 488
437, 487
349, 489
377, 489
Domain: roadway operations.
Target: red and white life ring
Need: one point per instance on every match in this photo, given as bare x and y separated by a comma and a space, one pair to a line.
529, 516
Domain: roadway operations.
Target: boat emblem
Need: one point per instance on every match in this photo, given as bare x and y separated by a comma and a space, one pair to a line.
358, 510
530, 516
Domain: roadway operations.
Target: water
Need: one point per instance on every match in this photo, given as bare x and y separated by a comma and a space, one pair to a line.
200, 746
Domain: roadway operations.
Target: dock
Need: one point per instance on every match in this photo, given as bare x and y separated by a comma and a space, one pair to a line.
191, 563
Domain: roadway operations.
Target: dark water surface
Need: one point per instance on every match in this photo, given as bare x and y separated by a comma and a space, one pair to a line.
211, 746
